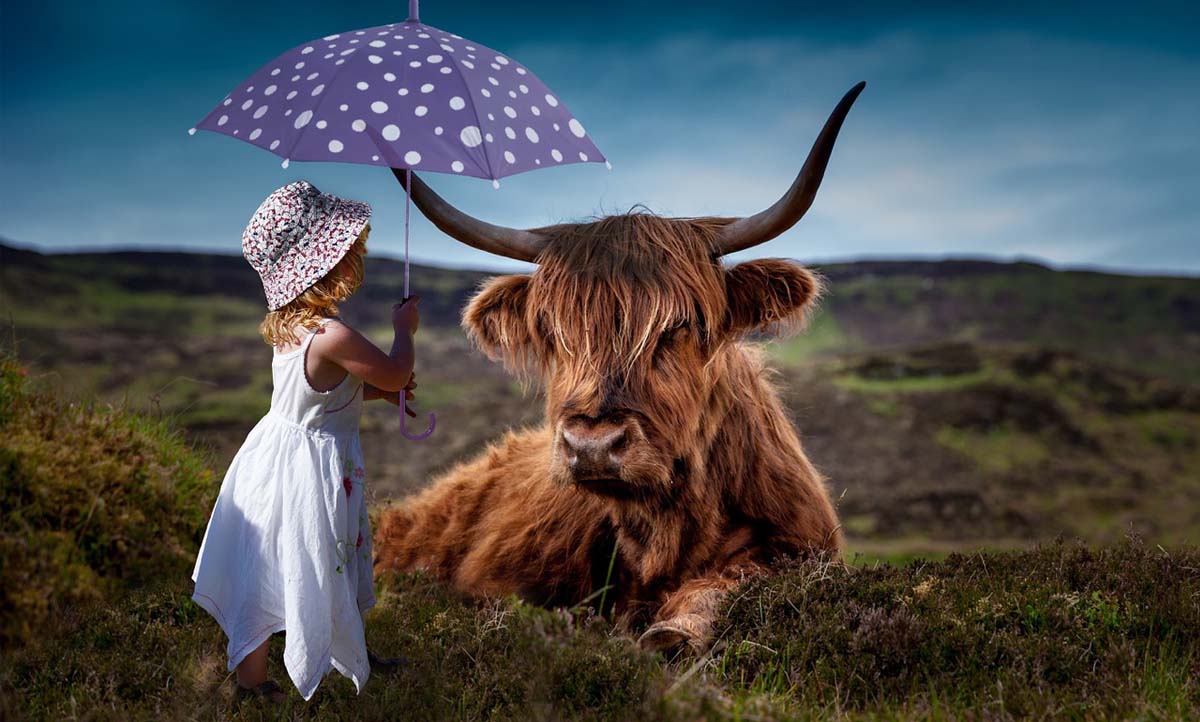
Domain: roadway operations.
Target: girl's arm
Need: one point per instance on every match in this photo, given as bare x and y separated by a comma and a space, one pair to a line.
349, 349
370, 393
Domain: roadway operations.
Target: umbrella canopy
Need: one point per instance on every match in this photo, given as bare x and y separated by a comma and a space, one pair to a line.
404, 95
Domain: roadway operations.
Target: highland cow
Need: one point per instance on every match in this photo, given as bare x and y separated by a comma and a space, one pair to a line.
666, 471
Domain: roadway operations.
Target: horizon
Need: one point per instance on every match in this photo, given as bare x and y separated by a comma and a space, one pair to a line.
817, 263
1001, 132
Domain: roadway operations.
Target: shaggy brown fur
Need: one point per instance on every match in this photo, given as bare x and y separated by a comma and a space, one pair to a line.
634, 327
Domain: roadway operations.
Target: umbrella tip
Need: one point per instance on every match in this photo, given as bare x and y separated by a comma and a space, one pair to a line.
191, 131
495, 184
608, 165
286, 162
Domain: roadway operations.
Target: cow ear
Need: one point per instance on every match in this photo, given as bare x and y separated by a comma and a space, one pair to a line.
495, 317
770, 294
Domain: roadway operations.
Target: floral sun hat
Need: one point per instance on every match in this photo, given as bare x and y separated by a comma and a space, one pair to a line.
297, 236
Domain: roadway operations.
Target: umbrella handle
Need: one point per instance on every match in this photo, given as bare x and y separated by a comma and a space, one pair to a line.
404, 430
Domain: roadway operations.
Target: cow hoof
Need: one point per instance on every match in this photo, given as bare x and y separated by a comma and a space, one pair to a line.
664, 637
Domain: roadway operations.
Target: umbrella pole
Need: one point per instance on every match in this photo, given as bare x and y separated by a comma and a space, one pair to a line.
403, 401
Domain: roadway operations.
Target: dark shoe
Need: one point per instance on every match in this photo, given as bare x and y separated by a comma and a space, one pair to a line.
268, 690
385, 665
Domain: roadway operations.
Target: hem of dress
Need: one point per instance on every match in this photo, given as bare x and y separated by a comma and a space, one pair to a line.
207, 604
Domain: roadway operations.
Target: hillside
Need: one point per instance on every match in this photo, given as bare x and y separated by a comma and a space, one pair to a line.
97, 622
952, 405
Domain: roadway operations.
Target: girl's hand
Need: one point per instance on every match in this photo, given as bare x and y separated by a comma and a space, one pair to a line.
406, 315
393, 397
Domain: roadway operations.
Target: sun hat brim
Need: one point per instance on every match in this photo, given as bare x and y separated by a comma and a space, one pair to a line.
300, 267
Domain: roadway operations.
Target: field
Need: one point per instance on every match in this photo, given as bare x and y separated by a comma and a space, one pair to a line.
1015, 452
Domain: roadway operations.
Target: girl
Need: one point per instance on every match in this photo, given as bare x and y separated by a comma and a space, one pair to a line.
288, 546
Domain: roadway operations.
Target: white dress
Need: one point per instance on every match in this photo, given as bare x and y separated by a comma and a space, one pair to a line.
289, 544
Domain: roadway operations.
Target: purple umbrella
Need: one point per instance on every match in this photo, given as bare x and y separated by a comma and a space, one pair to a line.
406, 96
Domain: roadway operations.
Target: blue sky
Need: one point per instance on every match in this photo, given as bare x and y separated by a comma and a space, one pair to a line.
1068, 134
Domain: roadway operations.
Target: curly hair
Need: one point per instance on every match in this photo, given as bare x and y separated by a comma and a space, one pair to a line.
318, 301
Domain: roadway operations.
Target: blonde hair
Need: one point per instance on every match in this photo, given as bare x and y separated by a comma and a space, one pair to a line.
319, 301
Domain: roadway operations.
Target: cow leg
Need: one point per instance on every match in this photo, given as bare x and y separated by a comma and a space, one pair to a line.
687, 616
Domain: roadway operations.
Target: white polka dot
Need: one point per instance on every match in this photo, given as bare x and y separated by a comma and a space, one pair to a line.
437, 130
346, 52
508, 156
402, 92
427, 88
247, 104
509, 111
412, 157
302, 119
391, 132
270, 90
375, 59
312, 76
447, 48
299, 65
512, 93
531, 134
255, 133
470, 136
340, 61
390, 77
457, 103
374, 157
502, 60
457, 166
307, 50
275, 72
358, 125
414, 64
583, 156
361, 85
292, 95
413, 46
434, 59
295, 77
520, 71
557, 156
274, 144
420, 111
379, 106
495, 66
523, 88
321, 125
491, 117
377, 43
223, 120
576, 128
343, 107
512, 134
535, 110
335, 146
493, 81
445, 70
551, 101
335, 36
468, 64
260, 112
423, 35
227, 101
485, 92
318, 90
487, 137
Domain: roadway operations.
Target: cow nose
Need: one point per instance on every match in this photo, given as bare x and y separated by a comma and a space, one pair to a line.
594, 449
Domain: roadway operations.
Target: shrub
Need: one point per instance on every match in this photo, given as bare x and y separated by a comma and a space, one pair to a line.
94, 500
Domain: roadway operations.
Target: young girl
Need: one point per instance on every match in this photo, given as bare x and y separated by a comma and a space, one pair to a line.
288, 546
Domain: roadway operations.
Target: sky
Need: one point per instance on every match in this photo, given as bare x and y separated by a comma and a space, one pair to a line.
1067, 133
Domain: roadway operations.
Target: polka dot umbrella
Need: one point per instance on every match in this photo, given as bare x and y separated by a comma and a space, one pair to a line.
406, 96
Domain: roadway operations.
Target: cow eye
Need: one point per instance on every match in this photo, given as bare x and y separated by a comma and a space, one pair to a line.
671, 336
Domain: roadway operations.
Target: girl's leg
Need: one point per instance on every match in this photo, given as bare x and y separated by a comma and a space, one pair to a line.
252, 671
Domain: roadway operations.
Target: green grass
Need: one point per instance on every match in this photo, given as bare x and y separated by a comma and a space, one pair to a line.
998, 449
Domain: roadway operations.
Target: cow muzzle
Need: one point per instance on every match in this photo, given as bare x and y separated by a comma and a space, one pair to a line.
594, 450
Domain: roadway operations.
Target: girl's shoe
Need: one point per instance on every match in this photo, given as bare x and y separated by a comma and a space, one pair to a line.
385, 665
268, 690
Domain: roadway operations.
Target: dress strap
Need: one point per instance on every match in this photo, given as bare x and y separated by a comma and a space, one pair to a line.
311, 335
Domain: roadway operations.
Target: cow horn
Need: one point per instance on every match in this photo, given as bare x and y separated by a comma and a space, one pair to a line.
503, 241
765, 225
